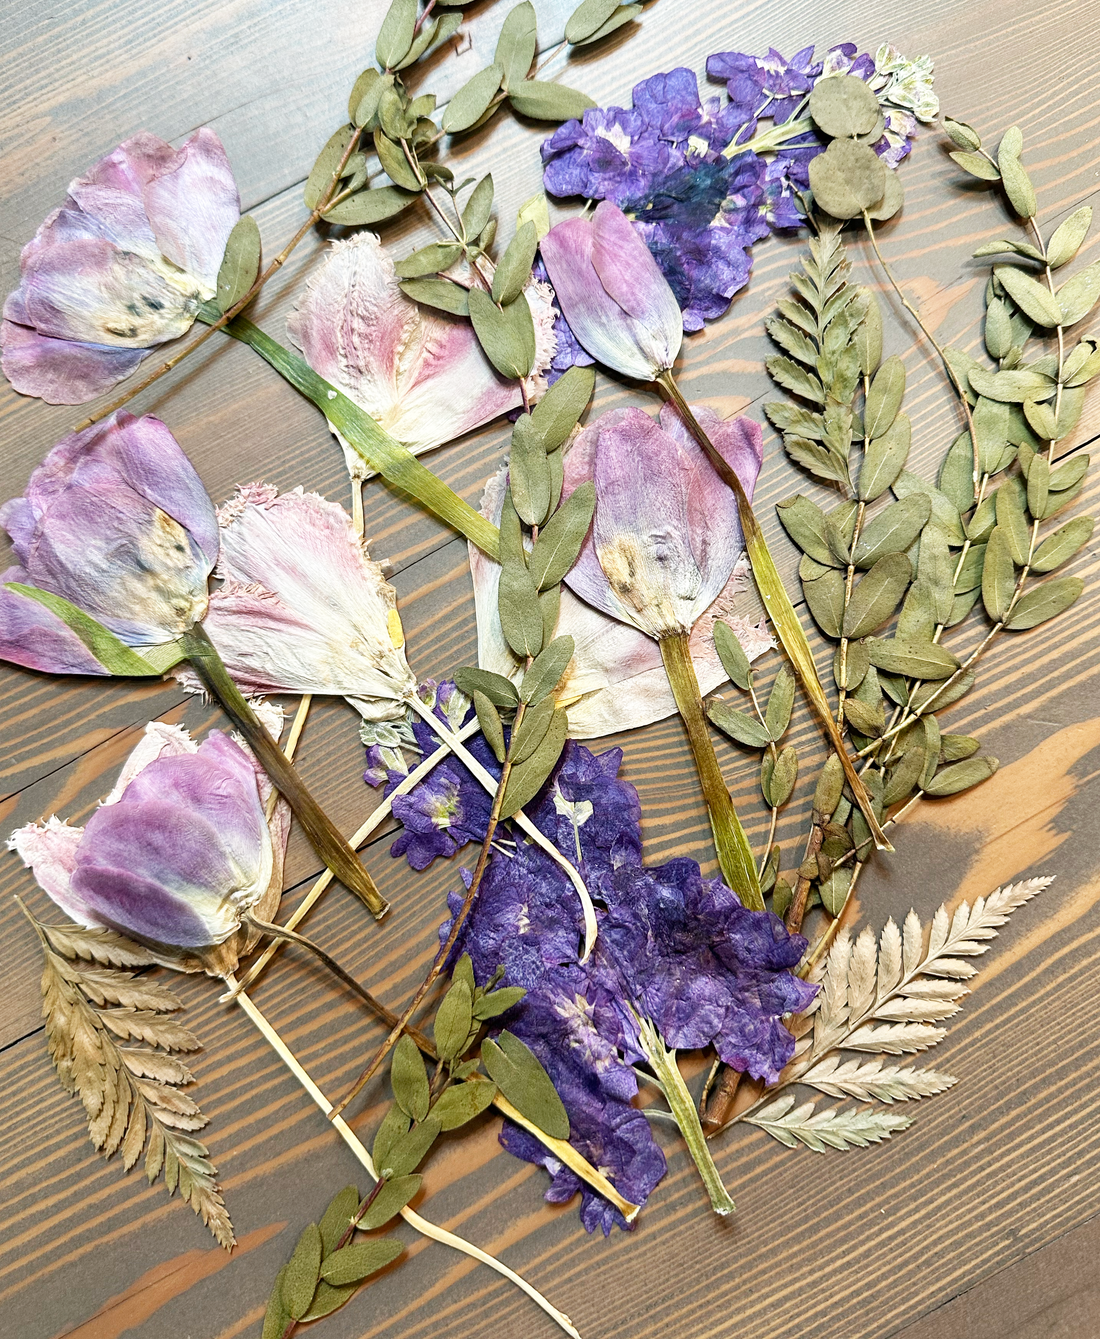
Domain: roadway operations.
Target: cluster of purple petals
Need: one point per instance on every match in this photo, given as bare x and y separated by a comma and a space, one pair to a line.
661, 162
567, 351
450, 807
672, 946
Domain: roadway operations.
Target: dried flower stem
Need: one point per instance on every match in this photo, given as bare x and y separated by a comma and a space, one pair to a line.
318, 827
289, 748
735, 856
349, 1137
779, 608
327, 201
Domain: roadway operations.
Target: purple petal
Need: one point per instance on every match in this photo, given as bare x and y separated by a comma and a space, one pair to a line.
30, 635
124, 901
62, 371
193, 206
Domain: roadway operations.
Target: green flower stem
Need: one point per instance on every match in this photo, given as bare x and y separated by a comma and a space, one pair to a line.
780, 610
318, 827
734, 852
663, 1062
396, 463
771, 139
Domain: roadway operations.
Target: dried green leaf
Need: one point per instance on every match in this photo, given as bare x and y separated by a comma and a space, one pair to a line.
794, 378
1038, 486
777, 779
337, 1217
587, 19
453, 1021
358, 1261
394, 163
1017, 183
953, 748
302, 1272
527, 778
546, 670
777, 715
854, 668
914, 660
1045, 601
998, 576
847, 178
844, 106
1062, 544
328, 1299
490, 723
962, 135
394, 1126
1033, 298
428, 260
519, 1075
557, 413
1010, 501
1077, 296
470, 103
1012, 387
884, 397
804, 521
500, 691
277, 1318
240, 263
825, 599
868, 334
938, 696
374, 206
977, 166
520, 615
944, 512
475, 215
409, 1078
561, 539
884, 459
830, 787
410, 1150
1066, 239
497, 1002
549, 102
395, 36
439, 293
917, 621
514, 270
463, 1102
833, 890
531, 731
390, 1200
893, 529
528, 470
738, 725
515, 51
732, 655
961, 776
622, 14
323, 170
507, 334
877, 595
893, 197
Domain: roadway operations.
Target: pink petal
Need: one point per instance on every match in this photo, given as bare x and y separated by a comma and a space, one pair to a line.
193, 206
62, 371
49, 850
33, 637
159, 740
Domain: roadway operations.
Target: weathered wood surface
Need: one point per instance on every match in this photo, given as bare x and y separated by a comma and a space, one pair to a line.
996, 1178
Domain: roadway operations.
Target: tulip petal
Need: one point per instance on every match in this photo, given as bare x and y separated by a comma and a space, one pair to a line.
158, 740
130, 904
421, 374
631, 277
49, 850
32, 636
193, 206
62, 371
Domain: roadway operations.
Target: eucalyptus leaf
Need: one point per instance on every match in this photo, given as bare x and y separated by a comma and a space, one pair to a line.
520, 616
302, 1272
970, 572
732, 655
562, 537
1038, 486
956, 478
1033, 298
359, 1260
914, 660
546, 670
515, 51
395, 1125
777, 780
961, 776
411, 1149
394, 163
1011, 520
558, 412
904, 775
395, 1193
825, 598
622, 14
977, 166
804, 521
1011, 387
463, 1102
877, 595
375, 206
944, 512
240, 263
893, 529
428, 260
1066, 239
470, 103
324, 169
869, 721
884, 397
843, 106
777, 715
893, 197
489, 721
396, 34
440, 293
453, 1020
500, 691
528, 471
998, 576
962, 135
917, 620
854, 668
884, 459
527, 778
739, 725
519, 1075
1062, 544
1078, 295
847, 178
1045, 601
507, 334
549, 102
531, 730
587, 19
409, 1079
475, 214
937, 696
1017, 183
514, 270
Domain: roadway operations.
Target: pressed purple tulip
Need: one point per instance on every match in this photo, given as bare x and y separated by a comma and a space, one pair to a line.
612, 293
122, 266
116, 521
176, 855
665, 537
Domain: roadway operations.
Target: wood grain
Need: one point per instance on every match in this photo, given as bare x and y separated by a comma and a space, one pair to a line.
998, 1177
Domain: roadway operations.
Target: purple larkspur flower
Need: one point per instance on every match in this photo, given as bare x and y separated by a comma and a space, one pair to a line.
116, 521
122, 266
673, 948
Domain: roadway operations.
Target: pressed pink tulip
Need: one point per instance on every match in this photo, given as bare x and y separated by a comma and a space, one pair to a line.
612, 293
419, 373
176, 855
121, 267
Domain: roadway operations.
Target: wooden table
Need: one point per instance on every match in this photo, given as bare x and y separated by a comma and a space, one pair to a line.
975, 1221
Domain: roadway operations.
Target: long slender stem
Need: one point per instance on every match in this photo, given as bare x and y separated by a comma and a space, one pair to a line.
325, 203
680, 1101
349, 1137
734, 852
385, 455
780, 610
318, 827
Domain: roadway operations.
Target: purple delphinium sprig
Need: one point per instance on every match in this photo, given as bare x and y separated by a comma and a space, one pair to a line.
678, 963
702, 180
449, 808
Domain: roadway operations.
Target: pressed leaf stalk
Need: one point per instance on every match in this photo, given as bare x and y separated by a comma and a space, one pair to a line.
781, 612
318, 827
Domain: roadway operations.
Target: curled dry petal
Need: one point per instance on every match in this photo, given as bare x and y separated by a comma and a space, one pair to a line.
303, 608
175, 855
617, 302
121, 267
616, 680
418, 372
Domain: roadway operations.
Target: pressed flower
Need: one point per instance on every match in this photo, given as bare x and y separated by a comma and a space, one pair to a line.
678, 962
116, 521
617, 302
419, 373
121, 267
302, 608
616, 679
176, 856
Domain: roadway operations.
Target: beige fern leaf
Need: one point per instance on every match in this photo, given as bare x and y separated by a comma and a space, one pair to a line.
831, 1019
867, 1079
905, 1009
861, 974
102, 946
894, 1038
912, 943
833, 1127
103, 985
889, 959
154, 1028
